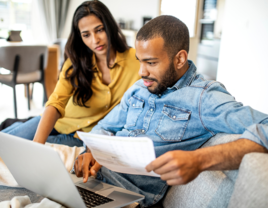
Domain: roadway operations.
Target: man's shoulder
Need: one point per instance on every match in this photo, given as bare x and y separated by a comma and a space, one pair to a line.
200, 82
209, 88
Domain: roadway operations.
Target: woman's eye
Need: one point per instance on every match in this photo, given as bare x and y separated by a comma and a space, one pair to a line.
86, 35
100, 30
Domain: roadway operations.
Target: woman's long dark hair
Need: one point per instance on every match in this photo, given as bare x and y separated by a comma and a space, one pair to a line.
81, 56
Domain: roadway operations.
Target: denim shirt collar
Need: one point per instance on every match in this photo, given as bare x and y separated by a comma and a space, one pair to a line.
187, 78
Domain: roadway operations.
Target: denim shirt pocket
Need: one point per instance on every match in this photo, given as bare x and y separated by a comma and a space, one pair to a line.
173, 123
135, 108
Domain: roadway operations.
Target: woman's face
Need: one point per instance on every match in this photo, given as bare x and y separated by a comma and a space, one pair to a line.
93, 34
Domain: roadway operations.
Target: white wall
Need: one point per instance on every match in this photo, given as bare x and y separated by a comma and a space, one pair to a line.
243, 67
125, 9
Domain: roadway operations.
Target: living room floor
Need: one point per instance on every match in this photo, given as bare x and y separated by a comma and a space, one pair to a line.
7, 106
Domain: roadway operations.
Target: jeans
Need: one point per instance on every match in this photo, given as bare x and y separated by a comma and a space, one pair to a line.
27, 130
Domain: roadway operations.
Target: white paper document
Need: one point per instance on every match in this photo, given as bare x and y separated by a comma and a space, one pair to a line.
121, 154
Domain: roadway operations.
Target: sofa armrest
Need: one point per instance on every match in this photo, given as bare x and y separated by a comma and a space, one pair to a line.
251, 187
209, 189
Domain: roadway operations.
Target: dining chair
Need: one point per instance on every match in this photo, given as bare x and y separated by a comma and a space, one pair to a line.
26, 65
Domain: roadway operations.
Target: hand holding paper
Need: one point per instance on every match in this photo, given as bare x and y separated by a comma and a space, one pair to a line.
121, 154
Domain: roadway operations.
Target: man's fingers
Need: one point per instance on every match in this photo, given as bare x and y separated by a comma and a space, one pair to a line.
174, 174
168, 167
175, 181
85, 176
180, 176
95, 168
158, 162
78, 166
86, 166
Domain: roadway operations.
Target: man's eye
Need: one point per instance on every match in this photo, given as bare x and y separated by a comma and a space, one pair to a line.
151, 63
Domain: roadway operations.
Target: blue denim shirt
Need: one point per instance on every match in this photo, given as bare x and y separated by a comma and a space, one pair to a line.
184, 117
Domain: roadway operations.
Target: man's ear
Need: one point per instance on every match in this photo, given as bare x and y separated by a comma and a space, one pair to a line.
180, 59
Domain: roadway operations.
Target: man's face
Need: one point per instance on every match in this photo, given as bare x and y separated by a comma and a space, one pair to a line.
156, 68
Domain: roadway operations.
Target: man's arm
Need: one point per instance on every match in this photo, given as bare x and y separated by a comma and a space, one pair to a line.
180, 167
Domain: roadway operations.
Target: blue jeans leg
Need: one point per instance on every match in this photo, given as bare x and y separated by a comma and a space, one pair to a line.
11, 127
27, 130
66, 139
24, 130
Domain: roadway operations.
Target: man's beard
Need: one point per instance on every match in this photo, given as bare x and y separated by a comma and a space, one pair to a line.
168, 80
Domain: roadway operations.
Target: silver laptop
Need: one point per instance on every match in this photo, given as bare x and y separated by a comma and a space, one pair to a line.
39, 168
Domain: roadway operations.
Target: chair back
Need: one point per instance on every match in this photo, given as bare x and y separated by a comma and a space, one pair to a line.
29, 57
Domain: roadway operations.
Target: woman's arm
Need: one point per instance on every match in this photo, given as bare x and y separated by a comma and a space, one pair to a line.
55, 106
46, 124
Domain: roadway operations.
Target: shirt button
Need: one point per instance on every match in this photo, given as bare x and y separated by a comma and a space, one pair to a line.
133, 105
159, 95
88, 122
108, 92
142, 130
174, 116
151, 109
78, 126
106, 106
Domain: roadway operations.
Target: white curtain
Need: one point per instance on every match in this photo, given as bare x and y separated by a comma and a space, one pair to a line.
49, 19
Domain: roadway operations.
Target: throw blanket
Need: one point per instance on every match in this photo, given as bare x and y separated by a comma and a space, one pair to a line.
67, 154
25, 202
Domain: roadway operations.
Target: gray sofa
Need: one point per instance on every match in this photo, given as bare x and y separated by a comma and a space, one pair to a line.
243, 188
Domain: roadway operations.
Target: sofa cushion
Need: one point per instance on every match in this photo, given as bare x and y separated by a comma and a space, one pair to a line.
209, 189
251, 187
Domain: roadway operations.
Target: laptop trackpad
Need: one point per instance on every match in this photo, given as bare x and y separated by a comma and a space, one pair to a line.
93, 185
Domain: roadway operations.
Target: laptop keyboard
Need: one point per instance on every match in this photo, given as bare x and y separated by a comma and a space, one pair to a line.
92, 199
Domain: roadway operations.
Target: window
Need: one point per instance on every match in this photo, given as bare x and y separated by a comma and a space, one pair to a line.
15, 15
184, 10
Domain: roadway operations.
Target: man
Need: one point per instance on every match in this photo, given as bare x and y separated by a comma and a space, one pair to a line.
179, 111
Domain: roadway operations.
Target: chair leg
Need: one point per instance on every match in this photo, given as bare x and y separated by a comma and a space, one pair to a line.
15, 101
31, 90
28, 96
45, 93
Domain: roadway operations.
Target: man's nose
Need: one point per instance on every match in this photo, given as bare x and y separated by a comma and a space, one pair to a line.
143, 71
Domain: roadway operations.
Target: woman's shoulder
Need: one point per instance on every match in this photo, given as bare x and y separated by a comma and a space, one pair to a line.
130, 54
66, 65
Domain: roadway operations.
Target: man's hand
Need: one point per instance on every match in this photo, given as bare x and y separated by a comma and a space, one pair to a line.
180, 167
86, 166
176, 167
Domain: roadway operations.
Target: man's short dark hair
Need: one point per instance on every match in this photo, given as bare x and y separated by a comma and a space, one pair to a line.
173, 31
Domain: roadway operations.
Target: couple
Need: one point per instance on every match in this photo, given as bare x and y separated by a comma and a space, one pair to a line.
172, 105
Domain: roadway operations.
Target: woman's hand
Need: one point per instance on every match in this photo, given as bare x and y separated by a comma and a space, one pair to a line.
86, 166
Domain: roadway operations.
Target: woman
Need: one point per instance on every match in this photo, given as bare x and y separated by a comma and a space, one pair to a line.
99, 68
